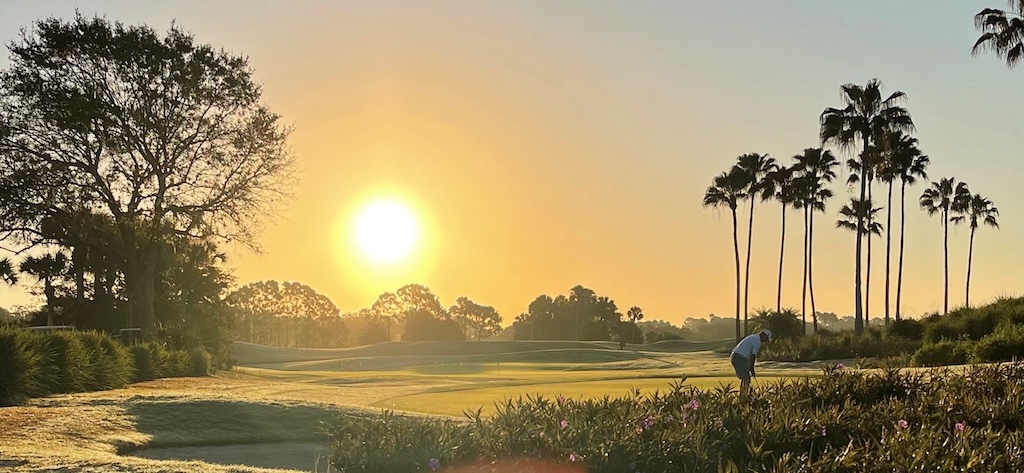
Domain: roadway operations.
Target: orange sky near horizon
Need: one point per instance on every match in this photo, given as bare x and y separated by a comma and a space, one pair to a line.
543, 145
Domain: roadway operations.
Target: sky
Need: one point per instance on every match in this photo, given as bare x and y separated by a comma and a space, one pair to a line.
541, 144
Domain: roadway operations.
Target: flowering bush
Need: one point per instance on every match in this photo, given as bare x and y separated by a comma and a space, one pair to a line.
844, 421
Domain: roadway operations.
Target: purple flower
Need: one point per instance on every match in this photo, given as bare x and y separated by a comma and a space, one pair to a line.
903, 424
960, 427
574, 457
565, 424
694, 404
840, 366
647, 423
434, 464
684, 418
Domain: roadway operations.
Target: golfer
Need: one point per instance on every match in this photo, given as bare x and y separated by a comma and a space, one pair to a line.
744, 355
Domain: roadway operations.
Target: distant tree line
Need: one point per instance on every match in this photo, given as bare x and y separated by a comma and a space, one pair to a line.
580, 315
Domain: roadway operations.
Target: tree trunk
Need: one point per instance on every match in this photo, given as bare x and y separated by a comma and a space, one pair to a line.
782, 252
867, 270
970, 256
945, 258
78, 266
810, 269
736, 251
746, 277
903, 224
888, 250
803, 299
858, 321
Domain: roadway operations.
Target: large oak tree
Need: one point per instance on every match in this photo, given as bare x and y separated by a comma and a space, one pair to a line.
160, 134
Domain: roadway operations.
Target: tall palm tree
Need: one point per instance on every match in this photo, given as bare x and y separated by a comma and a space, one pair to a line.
817, 168
1002, 32
7, 272
46, 268
755, 168
726, 191
978, 208
864, 117
803, 188
945, 197
779, 186
856, 175
909, 166
895, 148
860, 216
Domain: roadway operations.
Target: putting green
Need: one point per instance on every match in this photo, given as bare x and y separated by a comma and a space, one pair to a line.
456, 401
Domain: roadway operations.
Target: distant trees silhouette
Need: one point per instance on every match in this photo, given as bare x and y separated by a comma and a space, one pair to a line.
289, 314
582, 315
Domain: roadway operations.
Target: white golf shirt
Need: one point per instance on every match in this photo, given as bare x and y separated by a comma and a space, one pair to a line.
749, 346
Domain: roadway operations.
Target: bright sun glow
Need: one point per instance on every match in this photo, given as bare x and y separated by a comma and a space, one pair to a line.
385, 231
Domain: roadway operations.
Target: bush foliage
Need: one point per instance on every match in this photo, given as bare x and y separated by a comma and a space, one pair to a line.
38, 364
842, 422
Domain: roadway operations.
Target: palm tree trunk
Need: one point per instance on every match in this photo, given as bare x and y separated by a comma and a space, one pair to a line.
746, 277
945, 258
867, 270
903, 224
803, 300
970, 255
888, 249
810, 268
782, 252
736, 251
858, 321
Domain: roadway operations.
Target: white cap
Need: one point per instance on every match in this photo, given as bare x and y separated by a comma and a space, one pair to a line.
768, 333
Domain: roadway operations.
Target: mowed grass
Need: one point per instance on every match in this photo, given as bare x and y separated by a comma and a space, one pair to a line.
452, 378
456, 402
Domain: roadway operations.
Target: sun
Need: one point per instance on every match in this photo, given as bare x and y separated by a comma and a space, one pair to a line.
385, 231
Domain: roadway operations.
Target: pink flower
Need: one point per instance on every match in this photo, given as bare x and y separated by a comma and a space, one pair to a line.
565, 424
903, 424
684, 418
434, 464
647, 423
561, 399
823, 432
574, 457
694, 404
541, 435
840, 366
960, 427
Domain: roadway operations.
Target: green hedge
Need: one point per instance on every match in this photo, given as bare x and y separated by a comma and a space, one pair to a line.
36, 364
837, 346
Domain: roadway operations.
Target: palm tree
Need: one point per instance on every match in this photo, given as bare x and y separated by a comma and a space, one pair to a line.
895, 149
944, 197
859, 216
978, 208
816, 166
779, 186
864, 117
909, 166
46, 268
726, 191
755, 168
1002, 32
855, 176
7, 272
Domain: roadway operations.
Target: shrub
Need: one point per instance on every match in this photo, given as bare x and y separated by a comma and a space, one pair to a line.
1005, 344
784, 325
837, 346
146, 357
20, 366
112, 367
909, 329
70, 361
199, 362
943, 353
